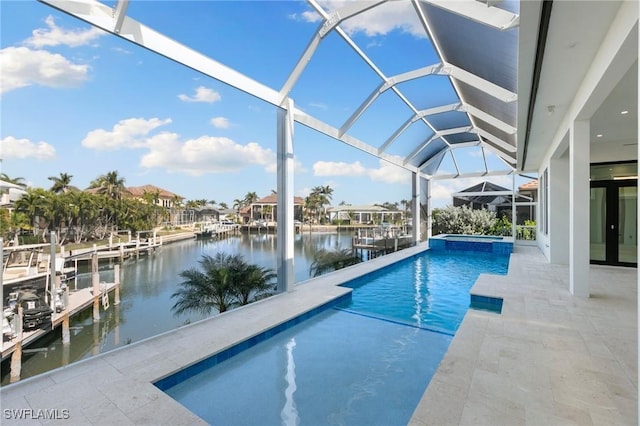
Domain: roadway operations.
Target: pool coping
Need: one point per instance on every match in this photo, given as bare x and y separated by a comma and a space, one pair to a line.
117, 386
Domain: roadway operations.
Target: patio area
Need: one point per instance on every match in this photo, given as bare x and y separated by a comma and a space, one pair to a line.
550, 358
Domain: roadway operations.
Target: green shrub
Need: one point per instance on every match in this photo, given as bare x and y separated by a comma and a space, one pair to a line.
462, 220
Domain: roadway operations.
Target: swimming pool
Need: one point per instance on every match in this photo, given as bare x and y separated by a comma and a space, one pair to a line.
366, 360
472, 243
430, 290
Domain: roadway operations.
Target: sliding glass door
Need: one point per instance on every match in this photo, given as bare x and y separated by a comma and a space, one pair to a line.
614, 223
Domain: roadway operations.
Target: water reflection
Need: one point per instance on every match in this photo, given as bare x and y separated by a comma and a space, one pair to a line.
147, 285
289, 413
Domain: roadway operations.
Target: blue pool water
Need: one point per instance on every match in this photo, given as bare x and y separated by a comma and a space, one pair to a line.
336, 368
430, 290
366, 360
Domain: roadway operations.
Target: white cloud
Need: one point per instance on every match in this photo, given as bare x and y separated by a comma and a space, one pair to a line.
206, 154
380, 20
339, 168
129, 133
220, 122
387, 172
23, 67
203, 94
12, 148
121, 50
55, 36
318, 105
390, 173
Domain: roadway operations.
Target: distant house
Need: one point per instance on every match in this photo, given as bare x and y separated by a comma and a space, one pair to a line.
207, 213
364, 214
530, 189
162, 197
227, 214
266, 209
10, 193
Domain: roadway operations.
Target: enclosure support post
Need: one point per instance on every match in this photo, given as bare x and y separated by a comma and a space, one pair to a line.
284, 214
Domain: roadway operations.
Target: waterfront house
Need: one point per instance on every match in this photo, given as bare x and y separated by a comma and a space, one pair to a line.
156, 195
364, 214
266, 209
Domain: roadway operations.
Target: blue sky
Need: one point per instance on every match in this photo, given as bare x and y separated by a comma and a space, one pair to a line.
76, 100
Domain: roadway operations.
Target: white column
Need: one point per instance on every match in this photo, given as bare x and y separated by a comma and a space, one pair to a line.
285, 233
559, 203
421, 208
514, 211
425, 207
579, 191
415, 208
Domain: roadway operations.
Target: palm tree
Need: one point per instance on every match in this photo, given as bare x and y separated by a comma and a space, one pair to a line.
327, 261
253, 283
11, 223
110, 184
33, 204
61, 183
224, 206
320, 196
16, 181
237, 206
250, 199
226, 281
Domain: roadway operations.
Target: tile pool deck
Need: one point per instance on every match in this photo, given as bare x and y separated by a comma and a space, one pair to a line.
547, 359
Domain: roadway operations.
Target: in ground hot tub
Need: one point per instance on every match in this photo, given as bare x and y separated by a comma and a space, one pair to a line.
472, 243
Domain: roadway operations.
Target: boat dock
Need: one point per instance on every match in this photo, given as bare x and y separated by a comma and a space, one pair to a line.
216, 230
78, 301
376, 243
72, 303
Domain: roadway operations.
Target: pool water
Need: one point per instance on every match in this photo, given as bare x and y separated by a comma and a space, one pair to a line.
430, 290
337, 368
367, 360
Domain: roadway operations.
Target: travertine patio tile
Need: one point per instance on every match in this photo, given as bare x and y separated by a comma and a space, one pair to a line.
572, 415
566, 359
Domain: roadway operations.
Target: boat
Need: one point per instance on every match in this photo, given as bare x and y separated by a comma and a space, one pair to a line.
27, 267
35, 313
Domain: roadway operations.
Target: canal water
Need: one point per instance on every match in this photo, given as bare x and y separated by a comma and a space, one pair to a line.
147, 285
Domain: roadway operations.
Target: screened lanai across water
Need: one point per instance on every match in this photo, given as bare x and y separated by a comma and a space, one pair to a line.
438, 99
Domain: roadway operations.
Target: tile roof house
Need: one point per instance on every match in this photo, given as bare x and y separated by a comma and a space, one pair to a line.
164, 198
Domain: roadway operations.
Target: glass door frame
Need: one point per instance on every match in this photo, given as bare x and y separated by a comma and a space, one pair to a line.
612, 189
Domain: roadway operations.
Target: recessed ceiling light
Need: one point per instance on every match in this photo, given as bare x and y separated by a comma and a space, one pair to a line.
624, 112
599, 135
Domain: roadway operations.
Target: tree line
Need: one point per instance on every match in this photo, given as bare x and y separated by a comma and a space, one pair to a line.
78, 216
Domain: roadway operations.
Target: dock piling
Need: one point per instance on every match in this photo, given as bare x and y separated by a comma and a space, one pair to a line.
16, 356
95, 280
116, 280
66, 336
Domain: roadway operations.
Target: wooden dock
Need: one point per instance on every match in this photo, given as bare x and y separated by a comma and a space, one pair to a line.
117, 250
78, 301
216, 231
376, 245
